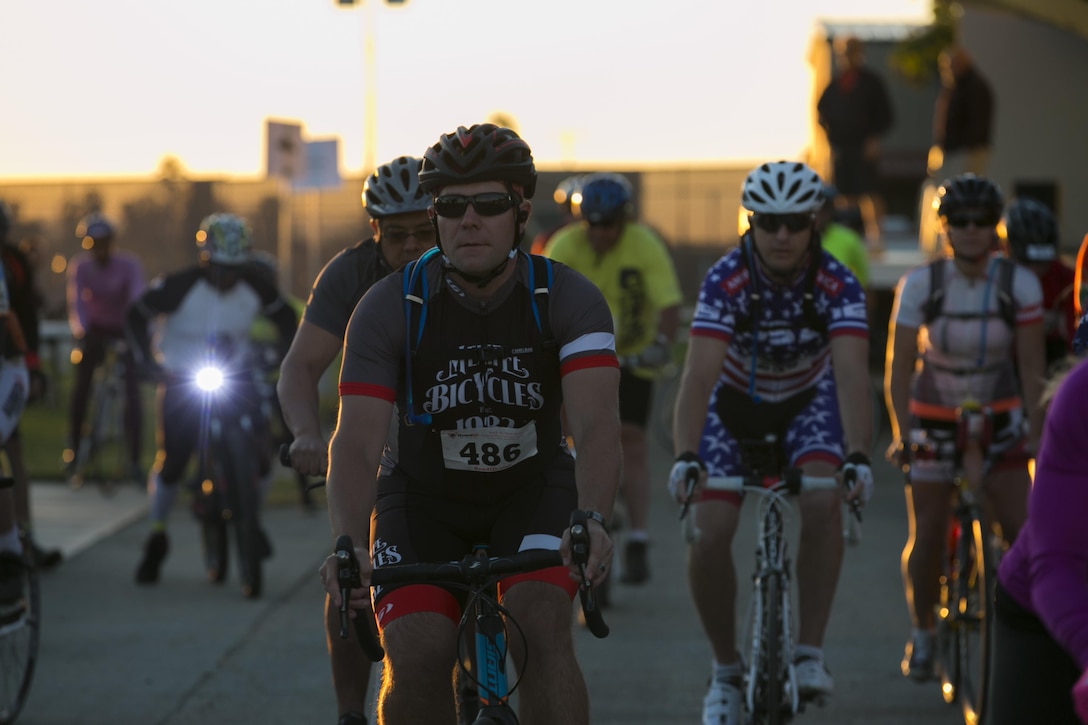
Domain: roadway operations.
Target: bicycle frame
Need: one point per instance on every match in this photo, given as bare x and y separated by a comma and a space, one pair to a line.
480, 575
770, 676
965, 606
226, 481
103, 424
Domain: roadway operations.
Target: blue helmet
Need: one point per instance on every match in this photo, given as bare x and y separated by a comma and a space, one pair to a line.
606, 198
95, 226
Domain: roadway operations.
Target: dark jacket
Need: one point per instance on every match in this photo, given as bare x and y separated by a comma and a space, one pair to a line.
850, 114
965, 113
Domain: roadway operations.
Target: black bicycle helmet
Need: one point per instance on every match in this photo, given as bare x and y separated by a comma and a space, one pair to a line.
968, 191
484, 152
394, 188
1031, 231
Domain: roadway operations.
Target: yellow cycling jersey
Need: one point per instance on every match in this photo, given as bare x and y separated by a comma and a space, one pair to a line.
636, 277
845, 245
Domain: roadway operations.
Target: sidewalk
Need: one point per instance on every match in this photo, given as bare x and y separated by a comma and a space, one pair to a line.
75, 519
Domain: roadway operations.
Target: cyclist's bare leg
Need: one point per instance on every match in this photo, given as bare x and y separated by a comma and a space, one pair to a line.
636, 479
81, 394
712, 576
554, 690
1006, 491
819, 557
420, 651
350, 665
133, 417
929, 506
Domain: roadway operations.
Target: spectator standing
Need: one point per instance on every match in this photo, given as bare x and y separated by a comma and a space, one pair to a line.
102, 283
855, 111
21, 303
963, 118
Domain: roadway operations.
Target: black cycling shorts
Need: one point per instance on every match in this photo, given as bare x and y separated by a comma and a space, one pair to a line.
414, 523
636, 397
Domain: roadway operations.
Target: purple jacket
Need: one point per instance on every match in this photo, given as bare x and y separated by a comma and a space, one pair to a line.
1046, 570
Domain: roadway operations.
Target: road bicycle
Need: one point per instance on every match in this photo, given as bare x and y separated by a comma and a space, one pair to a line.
20, 632
102, 455
965, 606
770, 689
479, 575
226, 487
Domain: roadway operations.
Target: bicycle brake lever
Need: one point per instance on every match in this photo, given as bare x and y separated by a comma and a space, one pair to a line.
690, 479
347, 575
579, 551
850, 479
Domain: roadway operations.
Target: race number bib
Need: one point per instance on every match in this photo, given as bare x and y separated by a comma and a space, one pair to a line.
486, 450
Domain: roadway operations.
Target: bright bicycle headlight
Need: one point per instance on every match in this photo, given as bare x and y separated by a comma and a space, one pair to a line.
209, 379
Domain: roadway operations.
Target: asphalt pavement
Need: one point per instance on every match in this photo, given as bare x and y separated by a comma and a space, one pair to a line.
186, 651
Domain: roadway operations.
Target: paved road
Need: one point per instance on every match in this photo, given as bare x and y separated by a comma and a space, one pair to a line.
188, 652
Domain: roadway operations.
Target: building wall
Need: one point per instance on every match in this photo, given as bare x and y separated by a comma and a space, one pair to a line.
1038, 73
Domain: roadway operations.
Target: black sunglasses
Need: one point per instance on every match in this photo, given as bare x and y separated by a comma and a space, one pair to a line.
773, 222
489, 203
982, 219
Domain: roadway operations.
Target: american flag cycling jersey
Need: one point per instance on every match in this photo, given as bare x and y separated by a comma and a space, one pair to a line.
790, 356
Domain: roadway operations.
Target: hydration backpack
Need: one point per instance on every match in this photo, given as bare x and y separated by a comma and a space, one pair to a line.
1003, 277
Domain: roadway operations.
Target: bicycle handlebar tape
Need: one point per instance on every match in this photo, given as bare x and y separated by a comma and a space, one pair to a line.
347, 574
579, 550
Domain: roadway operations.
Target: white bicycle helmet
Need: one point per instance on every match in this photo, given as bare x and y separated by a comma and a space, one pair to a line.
782, 187
394, 188
224, 239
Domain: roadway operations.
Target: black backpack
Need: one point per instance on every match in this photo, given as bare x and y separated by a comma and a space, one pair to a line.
1006, 301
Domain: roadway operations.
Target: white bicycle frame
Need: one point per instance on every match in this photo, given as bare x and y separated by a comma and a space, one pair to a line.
771, 561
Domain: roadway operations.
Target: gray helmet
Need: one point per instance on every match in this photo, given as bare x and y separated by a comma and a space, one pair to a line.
394, 188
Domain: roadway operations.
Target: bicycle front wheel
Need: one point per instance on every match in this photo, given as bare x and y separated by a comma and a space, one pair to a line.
19, 638
241, 479
770, 695
974, 598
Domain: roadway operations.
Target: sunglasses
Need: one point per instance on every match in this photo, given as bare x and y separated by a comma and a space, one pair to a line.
423, 235
773, 222
982, 219
489, 203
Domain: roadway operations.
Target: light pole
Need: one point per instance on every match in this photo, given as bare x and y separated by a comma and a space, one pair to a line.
370, 97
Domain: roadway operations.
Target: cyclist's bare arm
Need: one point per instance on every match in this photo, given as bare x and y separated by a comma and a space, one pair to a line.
668, 319
901, 354
591, 397
1031, 357
311, 353
702, 366
850, 365
355, 449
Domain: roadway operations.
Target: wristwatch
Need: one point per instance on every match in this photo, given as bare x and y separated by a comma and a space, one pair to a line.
596, 516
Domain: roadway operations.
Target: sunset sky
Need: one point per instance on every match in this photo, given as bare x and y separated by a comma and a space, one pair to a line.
94, 88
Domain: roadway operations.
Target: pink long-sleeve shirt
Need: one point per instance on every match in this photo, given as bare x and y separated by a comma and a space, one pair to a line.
1046, 570
99, 294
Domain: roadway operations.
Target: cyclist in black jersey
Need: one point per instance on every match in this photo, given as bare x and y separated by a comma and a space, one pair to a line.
214, 301
397, 208
18, 276
478, 360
